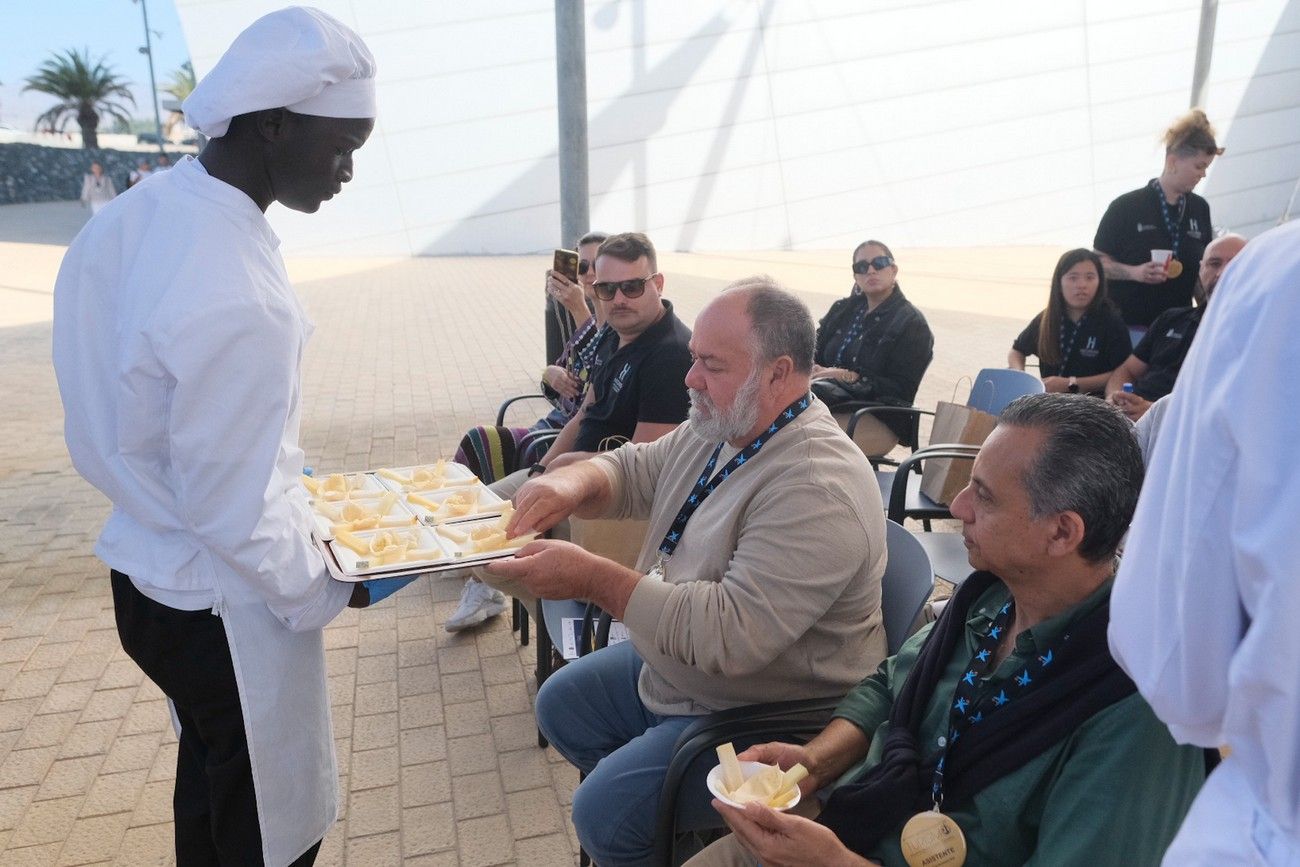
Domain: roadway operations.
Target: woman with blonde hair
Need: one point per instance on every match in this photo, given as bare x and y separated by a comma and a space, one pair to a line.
1079, 338
1151, 239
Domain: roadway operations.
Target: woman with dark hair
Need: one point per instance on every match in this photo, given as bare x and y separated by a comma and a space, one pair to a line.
1151, 239
495, 452
872, 349
1080, 338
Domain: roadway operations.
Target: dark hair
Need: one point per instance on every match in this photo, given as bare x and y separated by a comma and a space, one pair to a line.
1190, 135
858, 249
592, 238
628, 247
1049, 321
1090, 464
781, 323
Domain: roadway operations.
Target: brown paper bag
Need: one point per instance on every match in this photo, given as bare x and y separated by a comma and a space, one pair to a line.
943, 478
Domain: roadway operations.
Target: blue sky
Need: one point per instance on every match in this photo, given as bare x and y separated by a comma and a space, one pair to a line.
31, 29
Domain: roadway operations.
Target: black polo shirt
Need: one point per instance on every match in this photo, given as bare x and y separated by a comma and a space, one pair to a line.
1101, 345
642, 381
1131, 228
1163, 348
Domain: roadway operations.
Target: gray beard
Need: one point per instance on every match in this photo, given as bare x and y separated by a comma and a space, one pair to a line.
729, 424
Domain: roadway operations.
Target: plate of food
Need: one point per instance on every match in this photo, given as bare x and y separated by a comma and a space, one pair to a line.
454, 504
343, 486
428, 477
366, 552
484, 538
739, 783
384, 512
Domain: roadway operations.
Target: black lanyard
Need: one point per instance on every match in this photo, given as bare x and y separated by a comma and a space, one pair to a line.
968, 709
851, 334
1171, 225
706, 485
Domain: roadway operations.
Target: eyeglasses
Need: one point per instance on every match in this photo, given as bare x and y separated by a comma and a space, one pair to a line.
633, 288
880, 263
583, 266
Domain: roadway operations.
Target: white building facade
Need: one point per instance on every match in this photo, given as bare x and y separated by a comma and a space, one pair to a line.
761, 124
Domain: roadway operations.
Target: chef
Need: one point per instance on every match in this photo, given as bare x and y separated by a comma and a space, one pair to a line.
1204, 606
178, 345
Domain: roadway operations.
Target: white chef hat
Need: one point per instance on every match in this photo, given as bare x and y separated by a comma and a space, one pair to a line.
297, 58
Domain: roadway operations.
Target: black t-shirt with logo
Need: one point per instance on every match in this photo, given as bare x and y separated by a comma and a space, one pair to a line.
1132, 227
1163, 348
642, 381
1101, 345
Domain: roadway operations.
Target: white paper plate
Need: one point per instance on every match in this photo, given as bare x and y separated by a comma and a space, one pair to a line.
350, 561
362, 485
488, 504
451, 471
461, 553
748, 769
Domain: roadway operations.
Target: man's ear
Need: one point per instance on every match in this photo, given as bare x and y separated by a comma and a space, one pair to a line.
273, 124
782, 369
1067, 534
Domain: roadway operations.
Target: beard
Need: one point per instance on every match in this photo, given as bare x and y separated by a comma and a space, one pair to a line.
717, 424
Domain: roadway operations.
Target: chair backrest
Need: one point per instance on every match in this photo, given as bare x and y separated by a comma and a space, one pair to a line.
908, 581
995, 387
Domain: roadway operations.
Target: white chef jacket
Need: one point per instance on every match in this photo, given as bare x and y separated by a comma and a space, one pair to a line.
178, 344
1203, 613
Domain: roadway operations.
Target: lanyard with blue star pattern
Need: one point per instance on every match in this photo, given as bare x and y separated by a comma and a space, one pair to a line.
1067, 348
853, 333
970, 710
706, 485
1171, 225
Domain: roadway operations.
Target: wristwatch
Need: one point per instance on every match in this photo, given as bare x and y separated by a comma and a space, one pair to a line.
536, 470
1073, 387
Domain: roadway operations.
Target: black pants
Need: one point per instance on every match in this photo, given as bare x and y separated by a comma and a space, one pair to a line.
186, 654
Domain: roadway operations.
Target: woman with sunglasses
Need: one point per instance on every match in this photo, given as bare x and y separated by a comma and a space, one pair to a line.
1080, 338
495, 452
873, 347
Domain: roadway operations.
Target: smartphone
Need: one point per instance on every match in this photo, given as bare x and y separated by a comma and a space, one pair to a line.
566, 263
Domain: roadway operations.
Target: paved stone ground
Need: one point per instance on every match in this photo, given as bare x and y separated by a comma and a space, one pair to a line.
435, 733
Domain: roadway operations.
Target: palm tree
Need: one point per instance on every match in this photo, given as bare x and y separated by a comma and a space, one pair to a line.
86, 89
180, 86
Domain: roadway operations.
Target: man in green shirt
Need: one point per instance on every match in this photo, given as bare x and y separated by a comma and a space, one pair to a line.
1062, 762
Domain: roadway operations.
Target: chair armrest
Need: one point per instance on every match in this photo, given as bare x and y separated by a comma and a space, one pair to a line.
877, 409
501, 411
803, 718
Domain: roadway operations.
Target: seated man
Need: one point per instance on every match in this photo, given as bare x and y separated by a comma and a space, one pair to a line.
1153, 367
759, 579
1009, 714
636, 392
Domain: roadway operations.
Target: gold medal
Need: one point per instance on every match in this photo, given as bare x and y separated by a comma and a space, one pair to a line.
931, 839
1173, 268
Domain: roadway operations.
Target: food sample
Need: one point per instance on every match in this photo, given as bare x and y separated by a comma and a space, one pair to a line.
429, 478
485, 538
368, 515
769, 785
386, 548
458, 505
338, 486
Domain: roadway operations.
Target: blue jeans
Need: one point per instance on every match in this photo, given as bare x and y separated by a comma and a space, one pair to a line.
590, 711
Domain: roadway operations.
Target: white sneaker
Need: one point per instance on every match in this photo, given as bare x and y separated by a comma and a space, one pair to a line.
478, 602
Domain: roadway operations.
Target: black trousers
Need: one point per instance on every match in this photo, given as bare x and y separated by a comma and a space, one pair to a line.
186, 654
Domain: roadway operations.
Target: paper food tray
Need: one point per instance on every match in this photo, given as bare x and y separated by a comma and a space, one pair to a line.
361, 486
488, 504
325, 525
453, 472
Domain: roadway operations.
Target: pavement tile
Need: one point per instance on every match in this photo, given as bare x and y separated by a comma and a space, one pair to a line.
376, 730
27, 767
380, 850
484, 842
427, 829
476, 795
470, 718
93, 838
13, 803
89, 738
466, 686
423, 744
372, 811
372, 698
45, 822
67, 777
154, 804
47, 730
370, 769
415, 711
113, 793
427, 783
514, 732
552, 850
148, 846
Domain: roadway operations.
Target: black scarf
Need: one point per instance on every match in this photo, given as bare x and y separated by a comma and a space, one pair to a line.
1086, 681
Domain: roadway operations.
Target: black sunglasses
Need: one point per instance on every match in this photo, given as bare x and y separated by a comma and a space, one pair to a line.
583, 266
880, 263
633, 288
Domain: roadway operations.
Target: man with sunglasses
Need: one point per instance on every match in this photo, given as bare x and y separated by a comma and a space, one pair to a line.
637, 392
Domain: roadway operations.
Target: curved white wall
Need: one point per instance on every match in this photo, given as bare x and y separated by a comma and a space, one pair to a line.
740, 124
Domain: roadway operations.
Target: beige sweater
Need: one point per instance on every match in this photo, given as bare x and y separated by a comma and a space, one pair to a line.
773, 592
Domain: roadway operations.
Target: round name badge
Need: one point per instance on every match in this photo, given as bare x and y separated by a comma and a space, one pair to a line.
1174, 268
931, 839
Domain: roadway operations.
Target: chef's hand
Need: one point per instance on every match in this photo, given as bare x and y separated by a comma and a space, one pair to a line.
377, 589
1148, 272
785, 840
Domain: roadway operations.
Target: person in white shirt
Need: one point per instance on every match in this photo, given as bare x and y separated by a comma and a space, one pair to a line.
1204, 606
141, 172
178, 342
97, 189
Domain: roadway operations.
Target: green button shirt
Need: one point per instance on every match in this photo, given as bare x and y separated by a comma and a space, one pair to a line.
1112, 793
